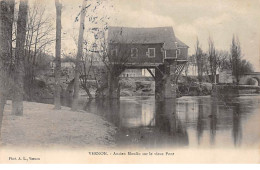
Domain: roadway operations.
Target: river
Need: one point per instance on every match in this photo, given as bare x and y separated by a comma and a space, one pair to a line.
203, 122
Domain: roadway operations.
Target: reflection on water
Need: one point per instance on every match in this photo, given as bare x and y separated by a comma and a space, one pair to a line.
216, 122
191, 121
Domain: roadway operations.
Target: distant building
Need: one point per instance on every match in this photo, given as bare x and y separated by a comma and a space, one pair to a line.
225, 76
137, 73
192, 69
131, 73
67, 68
145, 72
95, 59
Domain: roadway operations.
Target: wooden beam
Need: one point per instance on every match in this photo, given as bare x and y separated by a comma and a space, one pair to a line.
151, 73
182, 67
138, 65
159, 71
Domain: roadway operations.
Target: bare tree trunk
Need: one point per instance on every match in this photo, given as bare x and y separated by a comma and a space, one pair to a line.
17, 101
58, 56
212, 60
79, 54
84, 77
6, 22
198, 57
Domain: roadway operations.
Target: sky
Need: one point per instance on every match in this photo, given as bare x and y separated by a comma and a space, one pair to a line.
219, 19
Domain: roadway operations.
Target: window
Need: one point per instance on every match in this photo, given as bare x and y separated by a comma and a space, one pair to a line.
178, 51
134, 52
151, 52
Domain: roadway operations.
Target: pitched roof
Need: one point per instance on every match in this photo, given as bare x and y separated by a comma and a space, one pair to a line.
180, 43
144, 36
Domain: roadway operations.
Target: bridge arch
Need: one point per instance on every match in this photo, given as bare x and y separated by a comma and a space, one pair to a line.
245, 79
255, 78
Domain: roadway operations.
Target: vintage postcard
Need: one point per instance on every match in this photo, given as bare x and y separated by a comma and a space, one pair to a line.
129, 81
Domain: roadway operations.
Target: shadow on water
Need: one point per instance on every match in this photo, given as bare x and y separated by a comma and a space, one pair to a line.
142, 122
200, 122
237, 130
213, 120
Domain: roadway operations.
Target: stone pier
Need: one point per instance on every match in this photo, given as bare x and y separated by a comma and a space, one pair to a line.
165, 87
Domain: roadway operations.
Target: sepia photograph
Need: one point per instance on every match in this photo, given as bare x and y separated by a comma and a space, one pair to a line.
129, 81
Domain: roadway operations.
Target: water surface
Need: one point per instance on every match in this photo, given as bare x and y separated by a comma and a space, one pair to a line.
188, 122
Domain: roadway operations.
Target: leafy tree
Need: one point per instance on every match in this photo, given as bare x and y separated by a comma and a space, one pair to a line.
235, 58
212, 58
245, 67
199, 60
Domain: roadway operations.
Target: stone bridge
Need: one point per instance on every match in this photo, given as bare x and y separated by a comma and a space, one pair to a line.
244, 80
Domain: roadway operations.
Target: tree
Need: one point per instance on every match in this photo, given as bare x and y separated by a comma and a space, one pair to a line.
79, 55
6, 22
114, 55
245, 67
212, 57
95, 45
235, 58
17, 101
90, 65
85, 74
223, 60
199, 60
39, 36
58, 55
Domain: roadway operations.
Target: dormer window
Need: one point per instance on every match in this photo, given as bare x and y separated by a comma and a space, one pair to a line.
134, 52
151, 52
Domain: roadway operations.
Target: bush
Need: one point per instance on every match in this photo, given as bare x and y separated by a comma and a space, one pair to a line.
127, 84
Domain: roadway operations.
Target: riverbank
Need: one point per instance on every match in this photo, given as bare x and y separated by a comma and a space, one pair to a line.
42, 126
230, 90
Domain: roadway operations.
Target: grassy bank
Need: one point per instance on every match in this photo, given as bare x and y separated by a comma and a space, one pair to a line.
42, 126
